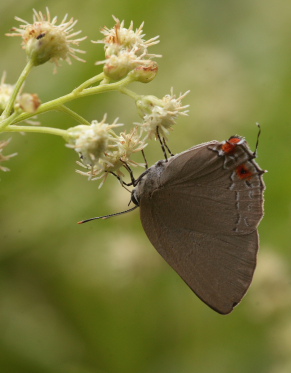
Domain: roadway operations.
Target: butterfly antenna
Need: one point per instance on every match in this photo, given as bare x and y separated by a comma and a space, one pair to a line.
258, 137
107, 216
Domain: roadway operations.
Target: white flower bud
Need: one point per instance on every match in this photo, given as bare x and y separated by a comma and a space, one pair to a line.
29, 102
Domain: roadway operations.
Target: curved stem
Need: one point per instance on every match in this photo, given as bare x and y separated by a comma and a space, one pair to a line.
89, 82
130, 93
116, 86
78, 118
46, 130
25, 72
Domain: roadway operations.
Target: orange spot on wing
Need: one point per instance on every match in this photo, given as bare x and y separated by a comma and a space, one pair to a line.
231, 144
243, 172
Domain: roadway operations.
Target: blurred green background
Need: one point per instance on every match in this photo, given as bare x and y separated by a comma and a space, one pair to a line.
98, 297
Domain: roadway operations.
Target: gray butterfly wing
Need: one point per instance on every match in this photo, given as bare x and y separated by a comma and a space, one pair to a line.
203, 218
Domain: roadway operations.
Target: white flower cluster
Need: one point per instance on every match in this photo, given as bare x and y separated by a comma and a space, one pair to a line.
102, 151
126, 51
159, 115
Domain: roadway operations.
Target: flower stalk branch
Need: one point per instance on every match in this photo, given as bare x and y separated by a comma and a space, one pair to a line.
89, 82
58, 102
102, 151
78, 118
37, 129
19, 84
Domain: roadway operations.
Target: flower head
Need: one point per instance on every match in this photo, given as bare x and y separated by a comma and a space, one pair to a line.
3, 157
161, 114
118, 66
120, 37
128, 144
125, 49
114, 152
92, 142
45, 41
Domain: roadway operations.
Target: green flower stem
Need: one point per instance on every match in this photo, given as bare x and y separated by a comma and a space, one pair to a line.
11, 119
130, 93
89, 82
116, 86
36, 129
78, 118
25, 72
55, 104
